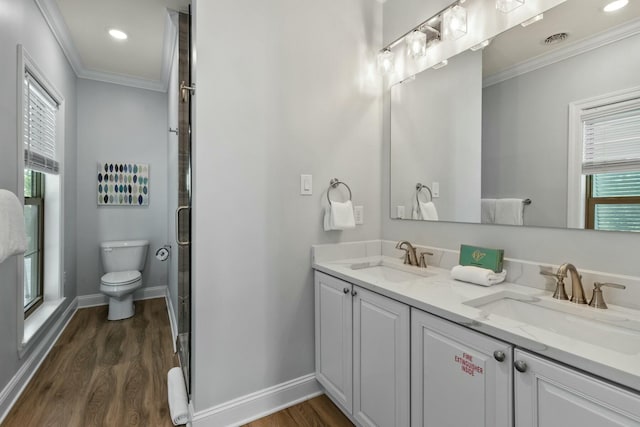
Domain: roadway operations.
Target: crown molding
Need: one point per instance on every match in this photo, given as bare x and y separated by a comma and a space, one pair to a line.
604, 38
54, 19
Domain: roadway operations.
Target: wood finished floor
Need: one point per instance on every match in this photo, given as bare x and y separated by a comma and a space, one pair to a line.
317, 412
103, 373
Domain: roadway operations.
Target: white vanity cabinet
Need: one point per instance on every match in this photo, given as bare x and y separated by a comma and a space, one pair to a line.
459, 377
548, 394
362, 351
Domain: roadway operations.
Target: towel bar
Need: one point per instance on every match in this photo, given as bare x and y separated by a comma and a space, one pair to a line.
334, 184
420, 187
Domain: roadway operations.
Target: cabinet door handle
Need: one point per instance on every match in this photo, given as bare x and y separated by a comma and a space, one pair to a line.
354, 293
520, 365
499, 355
345, 290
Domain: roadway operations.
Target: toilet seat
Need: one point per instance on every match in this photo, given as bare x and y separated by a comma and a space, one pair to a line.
121, 278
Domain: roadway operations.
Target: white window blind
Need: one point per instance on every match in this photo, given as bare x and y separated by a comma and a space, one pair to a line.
39, 127
612, 138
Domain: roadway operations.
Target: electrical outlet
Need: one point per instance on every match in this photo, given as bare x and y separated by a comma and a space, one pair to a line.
435, 187
400, 212
358, 213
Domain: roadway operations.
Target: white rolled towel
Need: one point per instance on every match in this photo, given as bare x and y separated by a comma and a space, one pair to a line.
13, 239
477, 275
178, 402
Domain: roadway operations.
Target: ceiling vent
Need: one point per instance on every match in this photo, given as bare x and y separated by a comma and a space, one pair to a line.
556, 38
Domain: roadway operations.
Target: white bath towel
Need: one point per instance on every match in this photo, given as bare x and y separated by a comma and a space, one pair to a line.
509, 212
488, 211
477, 275
13, 240
177, 395
339, 216
428, 211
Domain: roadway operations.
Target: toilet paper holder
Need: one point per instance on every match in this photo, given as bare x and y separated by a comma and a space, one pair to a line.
162, 254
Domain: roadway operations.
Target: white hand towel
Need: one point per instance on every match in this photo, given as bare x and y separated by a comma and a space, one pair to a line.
339, 216
428, 211
177, 395
488, 211
509, 211
477, 275
13, 240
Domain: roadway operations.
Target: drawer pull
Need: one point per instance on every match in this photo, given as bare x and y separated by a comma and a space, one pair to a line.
499, 355
520, 365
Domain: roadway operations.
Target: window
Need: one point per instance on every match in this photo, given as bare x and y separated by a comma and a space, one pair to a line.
39, 140
611, 165
34, 226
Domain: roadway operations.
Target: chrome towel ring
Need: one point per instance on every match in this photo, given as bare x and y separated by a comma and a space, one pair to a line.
420, 187
334, 183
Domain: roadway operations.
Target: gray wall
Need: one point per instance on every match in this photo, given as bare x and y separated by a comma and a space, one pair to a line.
286, 95
22, 23
119, 123
435, 129
525, 125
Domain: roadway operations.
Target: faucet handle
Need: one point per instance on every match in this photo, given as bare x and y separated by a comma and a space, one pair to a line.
597, 300
560, 293
423, 260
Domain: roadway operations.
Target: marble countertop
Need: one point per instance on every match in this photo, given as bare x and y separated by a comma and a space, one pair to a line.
442, 296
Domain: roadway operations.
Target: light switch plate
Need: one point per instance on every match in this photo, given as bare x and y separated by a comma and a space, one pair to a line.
400, 212
358, 213
306, 185
435, 187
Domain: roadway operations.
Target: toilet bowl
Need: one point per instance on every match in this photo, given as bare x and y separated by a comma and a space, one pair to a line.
119, 287
123, 262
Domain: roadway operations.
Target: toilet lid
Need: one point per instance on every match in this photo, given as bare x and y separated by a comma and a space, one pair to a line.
121, 277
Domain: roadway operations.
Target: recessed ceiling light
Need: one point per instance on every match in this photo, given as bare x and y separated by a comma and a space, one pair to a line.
615, 5
117, 34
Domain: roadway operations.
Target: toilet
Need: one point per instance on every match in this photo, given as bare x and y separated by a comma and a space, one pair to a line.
123, 262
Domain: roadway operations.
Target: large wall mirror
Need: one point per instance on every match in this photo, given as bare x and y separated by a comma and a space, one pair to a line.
539, 128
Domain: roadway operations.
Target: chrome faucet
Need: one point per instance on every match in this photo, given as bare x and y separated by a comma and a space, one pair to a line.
577, 291
409, 252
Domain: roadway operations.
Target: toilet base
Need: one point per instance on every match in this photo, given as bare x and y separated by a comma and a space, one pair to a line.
121, 308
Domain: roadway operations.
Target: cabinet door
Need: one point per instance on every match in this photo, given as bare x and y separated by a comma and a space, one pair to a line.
381, 360
548, 395
459, 377
334, 356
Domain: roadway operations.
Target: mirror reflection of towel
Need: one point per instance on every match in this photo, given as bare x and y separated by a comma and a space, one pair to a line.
488, 211
425, 212
509, 212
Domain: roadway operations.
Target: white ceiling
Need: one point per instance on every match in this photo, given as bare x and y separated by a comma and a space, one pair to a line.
140, 58
581, 19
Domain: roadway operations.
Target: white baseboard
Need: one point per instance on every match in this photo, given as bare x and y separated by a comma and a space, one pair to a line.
12, 391
94, 300
173, 322
259, 404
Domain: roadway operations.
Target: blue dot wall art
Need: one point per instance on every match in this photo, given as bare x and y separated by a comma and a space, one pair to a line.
123, 184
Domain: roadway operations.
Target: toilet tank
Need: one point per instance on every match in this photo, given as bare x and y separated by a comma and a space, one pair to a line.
123, 255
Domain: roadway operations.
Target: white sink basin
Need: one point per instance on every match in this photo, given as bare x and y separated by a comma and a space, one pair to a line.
390, 272
609, 330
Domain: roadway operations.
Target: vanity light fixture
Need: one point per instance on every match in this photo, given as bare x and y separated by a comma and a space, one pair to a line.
440, 64
416, 44
615, 5
481, 45
533, 20
118, 34
454, 23
385, 61
506, 6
